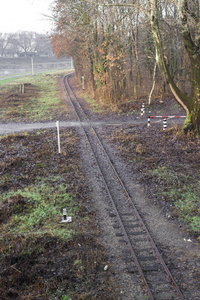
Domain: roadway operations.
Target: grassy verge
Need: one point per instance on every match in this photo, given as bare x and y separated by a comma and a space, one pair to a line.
41, 100
94, 105
167, 164
40, 257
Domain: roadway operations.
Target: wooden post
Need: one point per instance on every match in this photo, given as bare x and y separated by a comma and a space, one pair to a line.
21, 88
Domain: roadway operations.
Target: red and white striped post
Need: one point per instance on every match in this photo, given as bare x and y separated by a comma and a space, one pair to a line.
164, 121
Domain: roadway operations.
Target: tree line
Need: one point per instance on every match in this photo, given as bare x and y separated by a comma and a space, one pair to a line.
122, 46
24, 43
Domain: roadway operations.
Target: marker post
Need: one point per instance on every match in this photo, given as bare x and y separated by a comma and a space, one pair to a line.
143, 109
149, 121
58, 133
164, 124
82, 82
66, 219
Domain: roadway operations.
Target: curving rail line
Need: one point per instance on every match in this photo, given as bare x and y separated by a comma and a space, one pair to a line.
155, 275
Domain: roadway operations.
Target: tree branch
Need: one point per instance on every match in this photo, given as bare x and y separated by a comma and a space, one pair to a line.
131, 5
111, 4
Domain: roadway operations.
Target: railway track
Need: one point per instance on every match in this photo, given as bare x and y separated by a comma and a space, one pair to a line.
144, 256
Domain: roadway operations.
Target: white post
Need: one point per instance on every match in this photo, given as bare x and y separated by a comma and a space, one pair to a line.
57, 125
71, 62
82, 82
32, 65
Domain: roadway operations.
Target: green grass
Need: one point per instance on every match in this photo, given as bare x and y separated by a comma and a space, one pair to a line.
7, 80
41, 100
186, 203
37, 209
168, 175
186, 200
187, 206
93, 103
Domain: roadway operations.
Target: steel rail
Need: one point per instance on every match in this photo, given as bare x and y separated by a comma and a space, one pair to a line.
131, 202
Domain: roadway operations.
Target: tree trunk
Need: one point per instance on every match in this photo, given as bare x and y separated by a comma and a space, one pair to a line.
153, 84
193, 52
191, 104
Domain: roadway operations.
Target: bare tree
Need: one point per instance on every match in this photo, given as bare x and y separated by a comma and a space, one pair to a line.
42, 44
26, 41
4, 40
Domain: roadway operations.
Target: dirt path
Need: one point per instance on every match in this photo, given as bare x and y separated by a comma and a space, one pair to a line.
175, 245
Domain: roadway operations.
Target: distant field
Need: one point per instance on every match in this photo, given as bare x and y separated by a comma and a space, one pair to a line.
41, 100
22, 65
16, 62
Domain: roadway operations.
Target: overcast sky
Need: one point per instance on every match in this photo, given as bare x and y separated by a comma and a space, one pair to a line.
25, 15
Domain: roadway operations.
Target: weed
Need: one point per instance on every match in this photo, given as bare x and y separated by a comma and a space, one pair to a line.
188, 208
167, 175
65, 297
